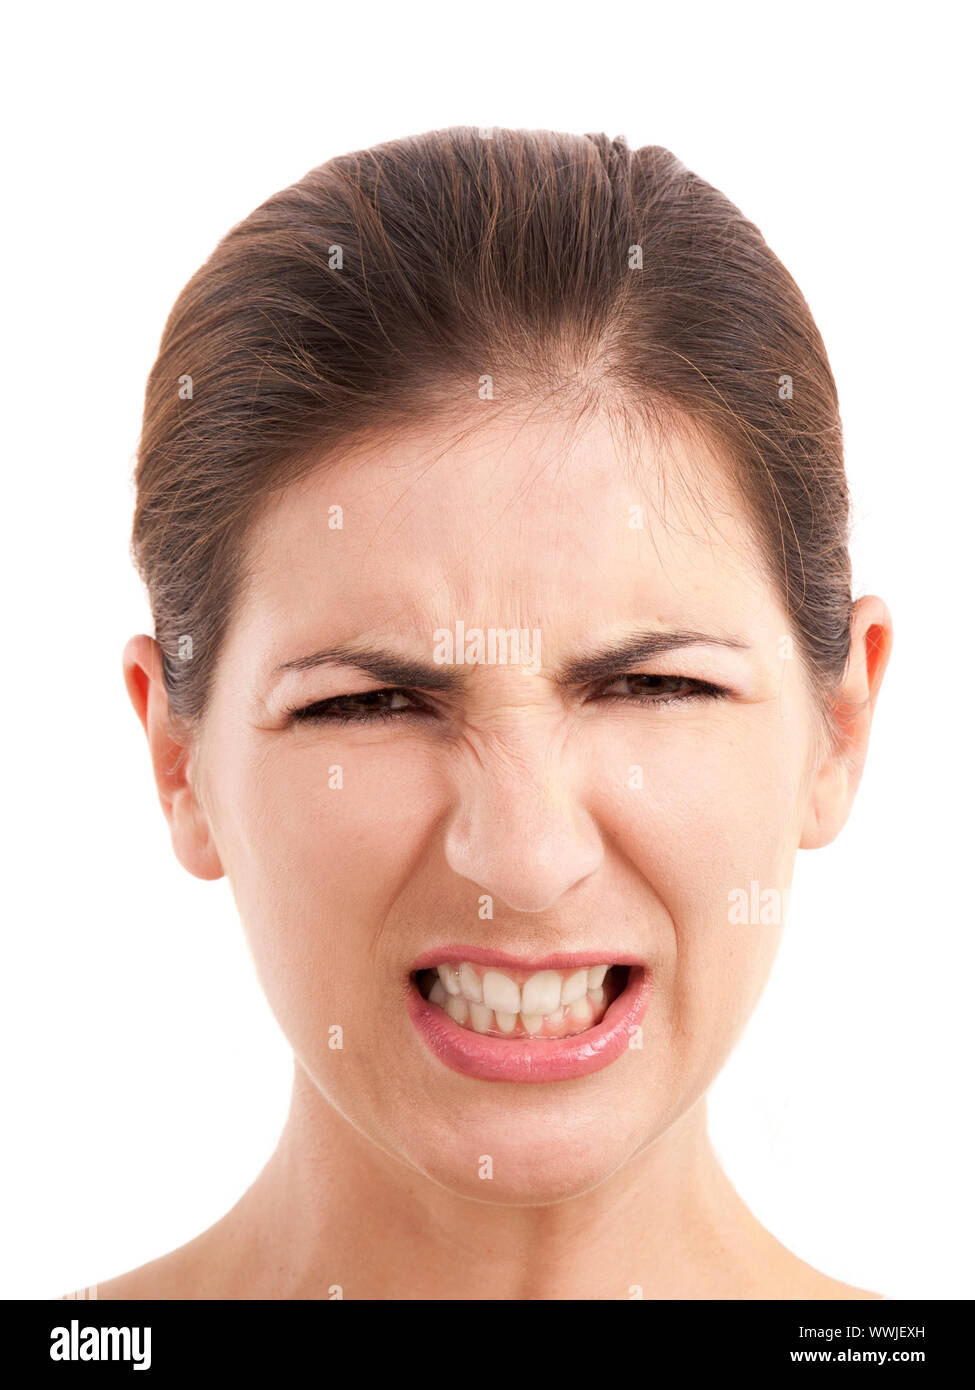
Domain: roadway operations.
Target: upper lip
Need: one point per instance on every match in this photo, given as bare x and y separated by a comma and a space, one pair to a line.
504, 960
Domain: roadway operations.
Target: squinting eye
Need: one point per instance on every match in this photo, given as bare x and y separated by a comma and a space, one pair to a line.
664, 690
370, 706
366, 707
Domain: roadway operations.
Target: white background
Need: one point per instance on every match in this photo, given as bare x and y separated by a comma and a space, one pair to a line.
136, 1109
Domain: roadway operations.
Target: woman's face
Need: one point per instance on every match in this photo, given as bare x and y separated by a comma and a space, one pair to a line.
516, 817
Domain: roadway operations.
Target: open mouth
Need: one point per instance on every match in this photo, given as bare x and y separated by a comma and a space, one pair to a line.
519, 1004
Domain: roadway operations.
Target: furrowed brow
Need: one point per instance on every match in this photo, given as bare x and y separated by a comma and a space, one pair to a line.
381, 664
392, 669
642, 646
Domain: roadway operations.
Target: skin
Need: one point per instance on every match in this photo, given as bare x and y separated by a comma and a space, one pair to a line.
516, 788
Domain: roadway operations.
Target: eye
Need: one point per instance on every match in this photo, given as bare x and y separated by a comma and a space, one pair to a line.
663, 690
371, 706
367, 707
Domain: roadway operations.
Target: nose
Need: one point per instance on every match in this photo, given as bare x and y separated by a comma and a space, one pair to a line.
519, 828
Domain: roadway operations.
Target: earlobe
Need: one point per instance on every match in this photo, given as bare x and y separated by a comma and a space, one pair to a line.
171, 757
838, 777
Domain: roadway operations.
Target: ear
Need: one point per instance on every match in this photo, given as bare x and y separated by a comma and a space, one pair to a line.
172, 757
838, 777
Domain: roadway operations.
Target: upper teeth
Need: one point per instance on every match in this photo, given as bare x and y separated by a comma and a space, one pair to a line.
540, 995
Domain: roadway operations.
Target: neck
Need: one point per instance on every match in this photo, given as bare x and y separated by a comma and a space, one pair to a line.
331, 1215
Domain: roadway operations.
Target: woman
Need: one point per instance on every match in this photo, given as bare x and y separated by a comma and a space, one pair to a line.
492, 512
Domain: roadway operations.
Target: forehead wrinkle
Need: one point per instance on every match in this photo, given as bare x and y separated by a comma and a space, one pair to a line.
505, 594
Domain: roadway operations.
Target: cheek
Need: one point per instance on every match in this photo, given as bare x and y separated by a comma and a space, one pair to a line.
708, 813
318, 843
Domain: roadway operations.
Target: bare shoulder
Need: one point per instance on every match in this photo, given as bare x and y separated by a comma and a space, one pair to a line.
804, 1281
784, 1275
223, 1261
832, 1288
177, 1274
218, 1263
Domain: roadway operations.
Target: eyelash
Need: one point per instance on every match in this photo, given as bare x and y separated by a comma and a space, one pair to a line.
330, 711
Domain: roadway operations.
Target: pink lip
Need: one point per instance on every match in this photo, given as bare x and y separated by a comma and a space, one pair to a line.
536, 1059
562, 960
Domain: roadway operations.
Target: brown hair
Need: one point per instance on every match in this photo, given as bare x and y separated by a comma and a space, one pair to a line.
380, 286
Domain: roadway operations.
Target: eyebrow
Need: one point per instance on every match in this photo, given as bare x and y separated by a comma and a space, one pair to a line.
386, 666
641, 646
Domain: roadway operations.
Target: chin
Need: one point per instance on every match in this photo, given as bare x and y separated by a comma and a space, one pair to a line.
527, 1160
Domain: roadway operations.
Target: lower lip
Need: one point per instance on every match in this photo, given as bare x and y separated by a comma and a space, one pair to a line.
533, 1059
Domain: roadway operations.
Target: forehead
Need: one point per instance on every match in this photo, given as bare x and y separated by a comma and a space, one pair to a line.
521, 523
